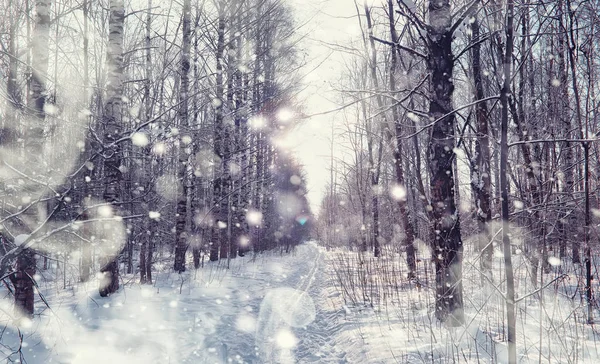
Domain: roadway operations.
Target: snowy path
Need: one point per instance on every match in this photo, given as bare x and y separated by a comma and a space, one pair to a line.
291, 325
317, 342
271, 309
314, 323
294, 322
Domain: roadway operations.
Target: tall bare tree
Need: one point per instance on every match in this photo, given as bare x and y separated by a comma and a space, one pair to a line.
113, 126
183, 168
504, 96
25, 265
481, 179
447, 242
398, 153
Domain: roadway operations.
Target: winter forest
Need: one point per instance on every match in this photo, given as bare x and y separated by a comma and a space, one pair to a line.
286, 181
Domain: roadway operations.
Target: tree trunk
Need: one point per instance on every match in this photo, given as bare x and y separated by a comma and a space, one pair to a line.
181, 234
531, 166
375, 227
572, 52
398, 158
22, 280
148, 266
86, 254
568, 204
448, 247
220, 186
375, 166
147, 236
235, 100
196, 257
505, 93
242, 145
112, 131
25, 265
11, 83
587, 249
86, 248
143, 253
481, 174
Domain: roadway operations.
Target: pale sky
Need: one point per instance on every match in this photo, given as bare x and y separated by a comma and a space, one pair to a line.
327, 21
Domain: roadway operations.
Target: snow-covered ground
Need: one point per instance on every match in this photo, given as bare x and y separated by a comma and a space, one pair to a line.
396, 322
262, 309
294, 308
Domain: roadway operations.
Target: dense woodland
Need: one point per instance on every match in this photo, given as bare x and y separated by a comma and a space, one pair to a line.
471, 123
138, 131
133, 130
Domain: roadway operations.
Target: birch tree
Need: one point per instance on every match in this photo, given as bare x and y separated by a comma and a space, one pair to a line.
34, 162
112, 124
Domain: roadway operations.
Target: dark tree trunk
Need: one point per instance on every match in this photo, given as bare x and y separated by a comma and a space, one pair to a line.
375, 227
572, 52
181, 233
508, 268
130, 244
587, 249
148, 266
148, 233
86, 248
110, 283
235, 100
398, 157
196, 257
220, 186
375, 166
244, 103
143, 253
447, 244
22, 280
566, 219
481, 171
86, 255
